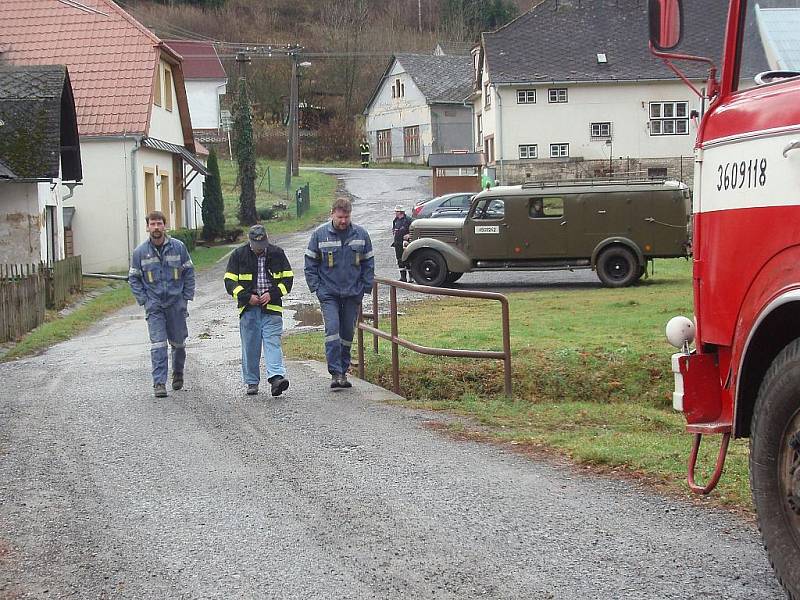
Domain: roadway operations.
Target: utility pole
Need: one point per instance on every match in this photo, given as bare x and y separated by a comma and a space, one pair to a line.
295, 119
419, 14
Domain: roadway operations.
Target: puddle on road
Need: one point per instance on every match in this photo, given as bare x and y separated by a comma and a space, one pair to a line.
302, 316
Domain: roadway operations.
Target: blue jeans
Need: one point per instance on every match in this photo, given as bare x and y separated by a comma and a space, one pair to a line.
167, 325
257, 328
339, 314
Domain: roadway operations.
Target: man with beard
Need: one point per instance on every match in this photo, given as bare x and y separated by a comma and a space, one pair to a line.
161, 277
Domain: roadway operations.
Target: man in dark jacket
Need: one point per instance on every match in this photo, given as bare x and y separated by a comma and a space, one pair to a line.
363, 149
400, 228
258, 277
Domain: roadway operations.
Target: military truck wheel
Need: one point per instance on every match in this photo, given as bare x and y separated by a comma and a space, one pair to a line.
775, 465
429, 268
453, 277
617, 267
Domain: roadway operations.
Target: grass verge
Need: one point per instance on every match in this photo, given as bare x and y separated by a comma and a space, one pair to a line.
110, 298
591, 377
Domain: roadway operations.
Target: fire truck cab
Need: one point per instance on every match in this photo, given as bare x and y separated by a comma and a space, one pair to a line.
738, 370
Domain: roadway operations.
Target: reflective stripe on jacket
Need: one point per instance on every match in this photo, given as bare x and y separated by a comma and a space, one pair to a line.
340, 265
160, 280
242, 274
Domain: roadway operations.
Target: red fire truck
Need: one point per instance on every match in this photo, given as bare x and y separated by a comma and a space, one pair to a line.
738, 371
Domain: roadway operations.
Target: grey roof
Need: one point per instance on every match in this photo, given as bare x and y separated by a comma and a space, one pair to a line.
449, 48
780, 29
455, 159
39, 127
5, 172
441, 79
558, 40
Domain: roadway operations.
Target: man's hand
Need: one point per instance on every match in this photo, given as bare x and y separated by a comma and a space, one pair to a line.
254, 300
264, 298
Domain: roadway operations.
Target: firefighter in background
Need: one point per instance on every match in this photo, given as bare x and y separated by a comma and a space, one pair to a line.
161, 277
400, 232
364, 149
339, 268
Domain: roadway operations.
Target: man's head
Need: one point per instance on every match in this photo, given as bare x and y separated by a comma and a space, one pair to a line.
399, 211
537, 204
156, 224
340, 213
258, 239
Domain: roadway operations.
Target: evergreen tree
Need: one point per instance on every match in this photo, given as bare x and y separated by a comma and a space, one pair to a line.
245, 156
213, 206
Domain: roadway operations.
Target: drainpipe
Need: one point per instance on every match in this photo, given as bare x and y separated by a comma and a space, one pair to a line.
499, 134
134, 204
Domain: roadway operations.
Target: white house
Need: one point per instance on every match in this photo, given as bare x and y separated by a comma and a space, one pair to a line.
569, 89
418, 108
133, 118
39, 151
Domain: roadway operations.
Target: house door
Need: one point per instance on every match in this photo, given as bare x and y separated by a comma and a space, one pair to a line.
51, 233
541, 232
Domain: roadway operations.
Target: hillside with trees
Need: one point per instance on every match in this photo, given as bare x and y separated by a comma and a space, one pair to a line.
348, 44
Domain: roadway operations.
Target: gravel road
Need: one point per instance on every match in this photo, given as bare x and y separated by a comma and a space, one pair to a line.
107, 492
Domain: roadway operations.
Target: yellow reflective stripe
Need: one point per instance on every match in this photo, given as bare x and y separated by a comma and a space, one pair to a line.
231, 276
283, 289
241, 309
282, 274
245, 277
236, 290
274, 307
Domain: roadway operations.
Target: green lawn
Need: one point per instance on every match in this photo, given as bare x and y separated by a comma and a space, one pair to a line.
270, 190
591, 375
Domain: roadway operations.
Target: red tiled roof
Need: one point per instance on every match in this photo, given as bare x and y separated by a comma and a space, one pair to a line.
111, 57
200, 59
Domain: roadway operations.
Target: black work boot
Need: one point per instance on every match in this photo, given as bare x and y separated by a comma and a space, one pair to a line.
343, 383
160, 390
177, 381
252, 389
403, 275
279, 384
335, 379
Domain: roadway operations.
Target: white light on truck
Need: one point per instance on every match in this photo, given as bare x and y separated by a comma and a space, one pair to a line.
680, 332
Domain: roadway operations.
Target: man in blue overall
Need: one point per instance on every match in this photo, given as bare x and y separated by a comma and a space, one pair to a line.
339, 268
162, 280
258, 277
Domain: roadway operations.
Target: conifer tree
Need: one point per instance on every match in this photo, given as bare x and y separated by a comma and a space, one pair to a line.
213, 206
245, 156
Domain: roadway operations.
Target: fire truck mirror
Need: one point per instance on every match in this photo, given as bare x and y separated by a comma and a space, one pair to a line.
666, 18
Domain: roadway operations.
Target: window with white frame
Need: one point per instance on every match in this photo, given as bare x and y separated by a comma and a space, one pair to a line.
557, 95
669, 118
398, 89
479, 128
384, 137
559, 150
526, 96
411, 141
487, 96
528, 151
601, 130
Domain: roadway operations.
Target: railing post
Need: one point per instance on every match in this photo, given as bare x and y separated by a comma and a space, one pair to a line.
360, 343
375, 315
395, 354
506, 348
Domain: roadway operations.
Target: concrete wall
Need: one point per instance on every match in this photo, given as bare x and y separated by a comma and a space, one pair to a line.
20, 223
204, 97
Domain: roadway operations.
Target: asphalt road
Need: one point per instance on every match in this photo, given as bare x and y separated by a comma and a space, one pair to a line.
106, 492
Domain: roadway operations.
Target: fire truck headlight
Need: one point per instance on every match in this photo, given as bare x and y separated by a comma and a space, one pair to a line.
680, 331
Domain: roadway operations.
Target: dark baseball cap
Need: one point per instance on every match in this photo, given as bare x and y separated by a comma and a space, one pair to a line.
258, 237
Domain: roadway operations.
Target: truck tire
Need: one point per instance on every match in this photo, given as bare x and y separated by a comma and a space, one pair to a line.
429, 268
453, 277
617, 267
775, 465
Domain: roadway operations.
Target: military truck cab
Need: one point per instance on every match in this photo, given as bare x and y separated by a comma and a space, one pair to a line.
614, 227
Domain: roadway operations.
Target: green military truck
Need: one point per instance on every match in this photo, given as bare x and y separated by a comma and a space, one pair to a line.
612, 226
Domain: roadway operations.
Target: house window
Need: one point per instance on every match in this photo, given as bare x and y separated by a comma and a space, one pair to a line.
528, 151
488, 149
601, 130
479, 127
556, 95
384, 137
398, 89
164, 189
487, 96
669, 118
167, 89
411, 141
157, 88
526, 96
559, 150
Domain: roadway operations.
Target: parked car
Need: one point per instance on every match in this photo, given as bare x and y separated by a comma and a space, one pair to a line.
494, 209
447, 201
612, 227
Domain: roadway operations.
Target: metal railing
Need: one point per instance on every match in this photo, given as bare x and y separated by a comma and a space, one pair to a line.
394, 337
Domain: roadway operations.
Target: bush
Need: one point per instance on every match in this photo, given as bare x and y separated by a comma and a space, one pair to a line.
213, 205
232, 235
187, 236
265, 214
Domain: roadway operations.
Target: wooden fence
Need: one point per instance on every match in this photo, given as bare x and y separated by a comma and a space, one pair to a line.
26, 290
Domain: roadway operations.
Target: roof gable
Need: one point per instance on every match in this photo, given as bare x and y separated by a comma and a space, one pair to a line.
200, 59
38, 128
559, 40
111, 57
